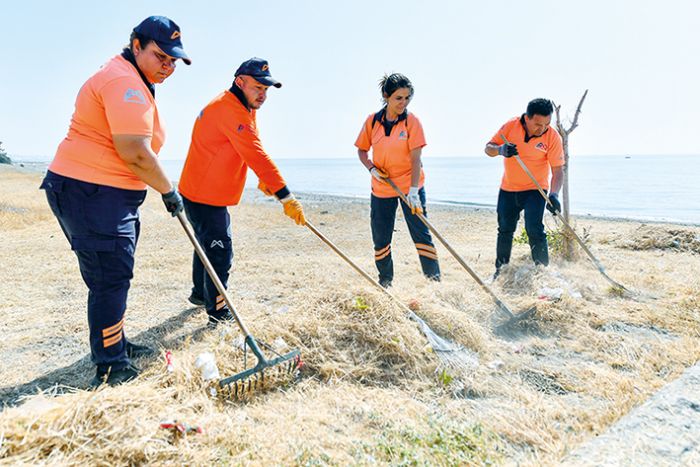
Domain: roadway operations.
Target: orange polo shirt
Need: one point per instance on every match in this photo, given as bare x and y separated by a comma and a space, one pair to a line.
114, 101
392, 153
225, 142
539, 153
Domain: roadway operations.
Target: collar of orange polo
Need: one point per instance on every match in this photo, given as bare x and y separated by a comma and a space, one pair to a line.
528, 136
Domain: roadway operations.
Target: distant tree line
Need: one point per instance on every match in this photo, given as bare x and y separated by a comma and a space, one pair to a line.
4, 158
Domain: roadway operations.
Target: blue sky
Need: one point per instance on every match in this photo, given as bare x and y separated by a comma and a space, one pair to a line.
473, 64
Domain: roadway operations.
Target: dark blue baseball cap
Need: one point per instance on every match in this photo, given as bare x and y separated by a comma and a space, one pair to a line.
166, 35
259, 70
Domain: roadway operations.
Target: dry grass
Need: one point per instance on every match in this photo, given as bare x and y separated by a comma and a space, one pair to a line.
650, 237
369, 392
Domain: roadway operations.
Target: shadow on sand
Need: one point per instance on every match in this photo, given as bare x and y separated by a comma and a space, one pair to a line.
78, 375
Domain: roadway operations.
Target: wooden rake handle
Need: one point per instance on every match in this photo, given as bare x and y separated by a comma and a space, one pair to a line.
595, 261
357, 268
210, 270
452, 251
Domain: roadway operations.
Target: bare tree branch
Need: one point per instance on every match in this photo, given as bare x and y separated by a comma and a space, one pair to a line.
560, 127
574, 123
564, 132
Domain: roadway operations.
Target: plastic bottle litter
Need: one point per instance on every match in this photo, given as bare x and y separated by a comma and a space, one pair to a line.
180, 428
239, 342
495, 364
550, 293
280, 345
206, 364
169, 362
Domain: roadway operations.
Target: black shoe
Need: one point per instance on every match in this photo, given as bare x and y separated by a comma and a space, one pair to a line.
385, 284
225, 317
114, 377
139, 351
196, 299
496, 274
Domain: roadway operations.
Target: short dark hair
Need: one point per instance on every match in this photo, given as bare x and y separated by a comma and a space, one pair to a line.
540, 106
390, 83
143, 40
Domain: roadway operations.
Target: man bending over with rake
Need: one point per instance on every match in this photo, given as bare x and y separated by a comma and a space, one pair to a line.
539, 146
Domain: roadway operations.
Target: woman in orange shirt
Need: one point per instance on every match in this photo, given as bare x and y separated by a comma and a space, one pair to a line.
396, 139
97, 181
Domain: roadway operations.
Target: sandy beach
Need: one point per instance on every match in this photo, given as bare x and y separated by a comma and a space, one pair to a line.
371, 390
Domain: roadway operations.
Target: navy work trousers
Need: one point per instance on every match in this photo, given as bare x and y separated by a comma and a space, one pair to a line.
102, 225
212, 227
382, 219
510, 204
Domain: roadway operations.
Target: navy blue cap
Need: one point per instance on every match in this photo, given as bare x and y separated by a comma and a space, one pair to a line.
259, 70
166, 34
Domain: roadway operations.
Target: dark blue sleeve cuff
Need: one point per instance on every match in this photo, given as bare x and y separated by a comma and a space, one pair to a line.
282, 192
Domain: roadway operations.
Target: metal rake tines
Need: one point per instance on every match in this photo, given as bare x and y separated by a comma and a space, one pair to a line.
242, 387
265, 374
451, 355
293, 364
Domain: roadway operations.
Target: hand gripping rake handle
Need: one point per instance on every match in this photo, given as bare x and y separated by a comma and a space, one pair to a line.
502, 306
249, 339
595, 261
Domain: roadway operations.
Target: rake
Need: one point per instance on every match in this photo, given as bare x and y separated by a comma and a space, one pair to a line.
452, 355
253, 378
513, 318
557, 215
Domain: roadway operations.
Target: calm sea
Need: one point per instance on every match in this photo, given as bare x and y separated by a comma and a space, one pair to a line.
659, 188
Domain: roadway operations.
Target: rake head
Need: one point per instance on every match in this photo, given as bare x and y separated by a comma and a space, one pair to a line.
514, 321
264, 375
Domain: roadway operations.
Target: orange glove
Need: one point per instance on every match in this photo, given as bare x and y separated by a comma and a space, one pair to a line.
262, 187
293, 209
378, 173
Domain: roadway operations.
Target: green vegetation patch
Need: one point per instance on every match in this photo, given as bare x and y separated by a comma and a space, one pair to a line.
441, 444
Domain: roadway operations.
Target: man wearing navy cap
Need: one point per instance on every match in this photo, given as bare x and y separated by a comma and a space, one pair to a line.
225, 142
97, 181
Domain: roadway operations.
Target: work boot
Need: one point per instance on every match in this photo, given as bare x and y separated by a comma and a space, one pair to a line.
138, 351
196, 299
224, 317
114, 377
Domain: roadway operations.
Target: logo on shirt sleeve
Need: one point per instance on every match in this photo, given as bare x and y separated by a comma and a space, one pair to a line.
541, 146
134, 96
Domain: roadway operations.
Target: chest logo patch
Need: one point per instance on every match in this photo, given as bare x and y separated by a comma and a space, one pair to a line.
134, 96
403, 135
541, 146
